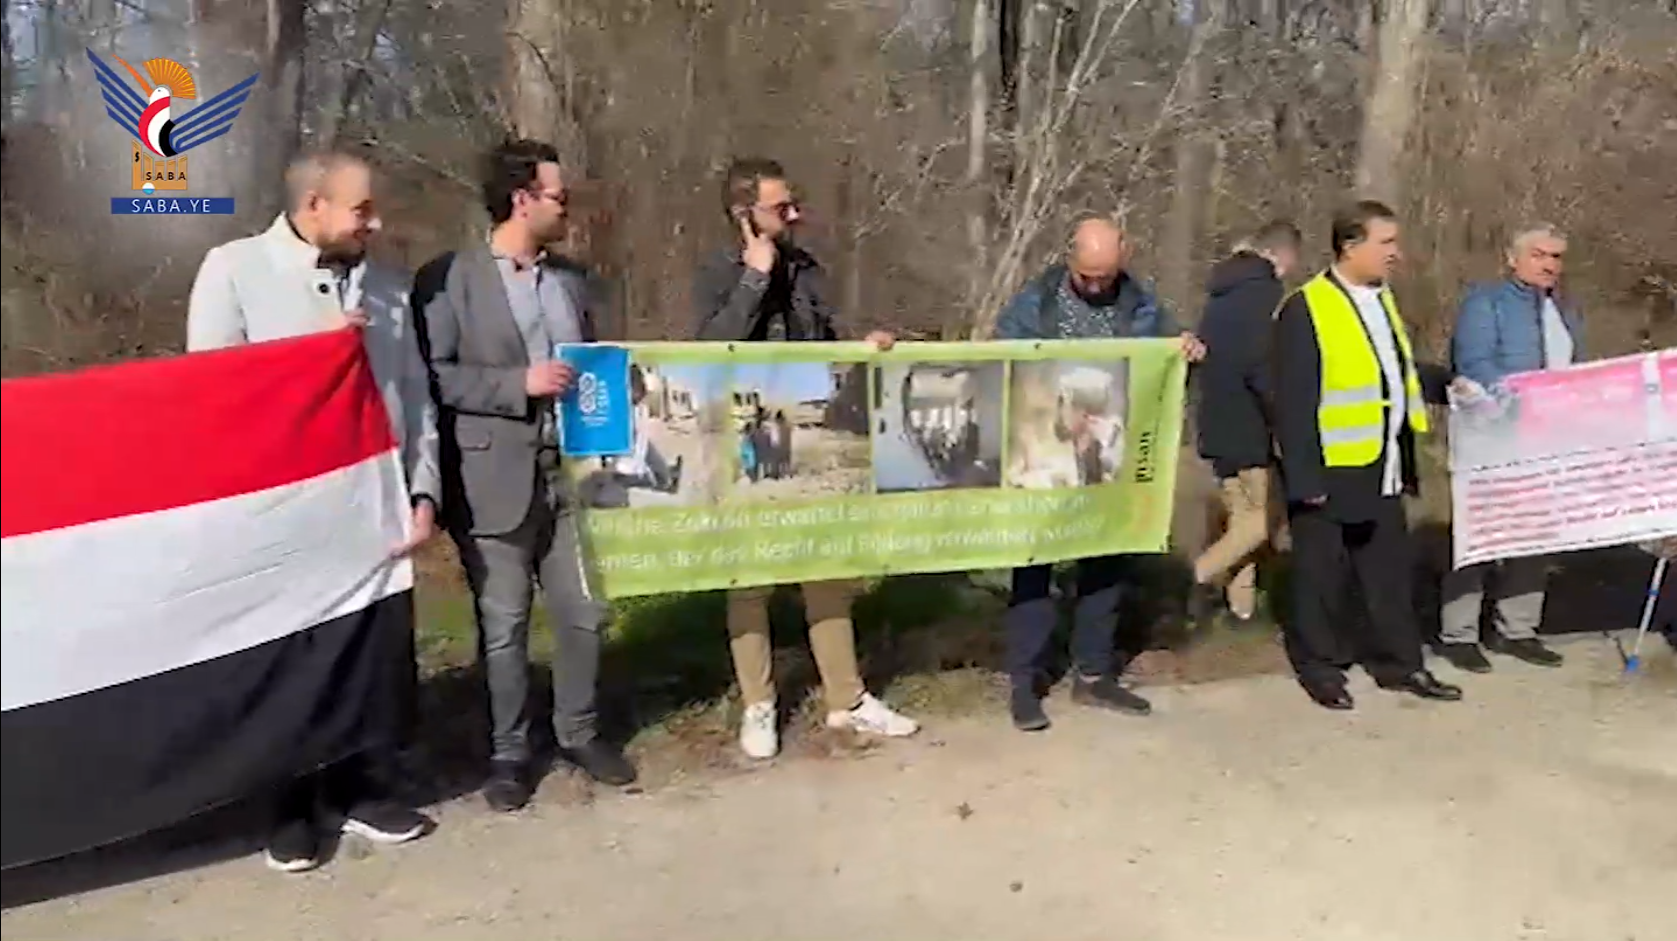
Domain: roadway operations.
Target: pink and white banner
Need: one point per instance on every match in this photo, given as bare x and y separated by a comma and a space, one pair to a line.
1565, 459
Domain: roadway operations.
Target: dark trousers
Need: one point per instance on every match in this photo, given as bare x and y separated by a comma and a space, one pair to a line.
336, 788
371, 774
1032, 617
1322, 640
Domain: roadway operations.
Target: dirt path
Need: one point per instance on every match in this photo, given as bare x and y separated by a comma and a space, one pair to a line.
1540, 809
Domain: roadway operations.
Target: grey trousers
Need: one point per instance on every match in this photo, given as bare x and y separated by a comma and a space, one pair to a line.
1516, 590
499, 570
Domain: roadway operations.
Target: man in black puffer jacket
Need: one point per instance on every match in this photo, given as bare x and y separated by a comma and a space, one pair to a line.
1234, 412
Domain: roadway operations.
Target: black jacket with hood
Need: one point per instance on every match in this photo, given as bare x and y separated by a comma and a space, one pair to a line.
1234, 409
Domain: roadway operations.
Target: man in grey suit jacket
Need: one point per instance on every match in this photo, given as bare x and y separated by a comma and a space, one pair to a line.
492, 313
308, 273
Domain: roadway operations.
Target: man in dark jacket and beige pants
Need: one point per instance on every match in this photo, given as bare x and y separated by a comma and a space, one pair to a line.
767, 288
1234, 411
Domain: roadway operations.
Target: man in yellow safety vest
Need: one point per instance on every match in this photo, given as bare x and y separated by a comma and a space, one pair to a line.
1348, 410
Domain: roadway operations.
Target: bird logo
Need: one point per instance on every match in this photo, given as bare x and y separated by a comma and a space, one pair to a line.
155, 122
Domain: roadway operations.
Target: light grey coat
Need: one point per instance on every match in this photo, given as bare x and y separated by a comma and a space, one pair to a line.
490, 427
263, 288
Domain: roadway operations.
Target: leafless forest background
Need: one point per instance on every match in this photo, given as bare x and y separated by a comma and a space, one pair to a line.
940, 144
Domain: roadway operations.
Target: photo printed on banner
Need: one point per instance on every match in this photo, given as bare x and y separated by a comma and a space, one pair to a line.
673, 462
937, 426
1067, 423
796, 430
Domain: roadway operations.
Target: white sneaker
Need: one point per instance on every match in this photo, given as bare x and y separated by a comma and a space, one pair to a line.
758, 736
874, 718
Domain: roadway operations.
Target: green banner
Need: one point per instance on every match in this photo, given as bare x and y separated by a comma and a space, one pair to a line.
763, 463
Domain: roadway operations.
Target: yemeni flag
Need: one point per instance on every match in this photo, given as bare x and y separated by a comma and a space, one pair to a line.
199, 599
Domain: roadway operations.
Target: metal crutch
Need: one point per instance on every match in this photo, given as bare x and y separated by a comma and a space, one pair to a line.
1635, 659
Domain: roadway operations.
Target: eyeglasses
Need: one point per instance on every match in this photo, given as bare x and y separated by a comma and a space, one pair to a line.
556, 197
785, 209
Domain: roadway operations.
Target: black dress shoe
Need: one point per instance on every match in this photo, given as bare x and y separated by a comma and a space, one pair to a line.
1422, 684
1466, 657
601, 761
1532, 651
508, 788
1331, 697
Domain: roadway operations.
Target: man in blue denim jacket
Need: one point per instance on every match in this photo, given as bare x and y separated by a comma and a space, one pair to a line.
1090, 296
1519, 324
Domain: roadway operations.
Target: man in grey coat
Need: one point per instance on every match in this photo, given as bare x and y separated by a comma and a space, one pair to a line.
492, 313
308, 273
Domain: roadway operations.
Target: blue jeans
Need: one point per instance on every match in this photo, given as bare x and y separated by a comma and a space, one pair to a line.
1032, 617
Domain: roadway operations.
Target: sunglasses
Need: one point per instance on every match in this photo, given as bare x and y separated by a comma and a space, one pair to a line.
560, 198
785, 210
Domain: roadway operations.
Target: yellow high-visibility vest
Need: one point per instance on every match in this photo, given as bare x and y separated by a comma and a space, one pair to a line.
1352, 415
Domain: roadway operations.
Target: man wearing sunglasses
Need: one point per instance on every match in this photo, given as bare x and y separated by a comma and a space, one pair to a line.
766, 288
491, 314
1090, 295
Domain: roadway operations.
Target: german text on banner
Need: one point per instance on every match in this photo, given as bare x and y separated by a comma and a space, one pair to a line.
762, 463
1566, 459
198, 594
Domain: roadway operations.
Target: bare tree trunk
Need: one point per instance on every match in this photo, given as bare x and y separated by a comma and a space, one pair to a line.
1453, 15
354, 83
282, 95
1555, 15
978, 133
537, 106
225, 42
1009, 17
1028, 27
851, 198
532, 102
8, 64
1390, 110
1182, 226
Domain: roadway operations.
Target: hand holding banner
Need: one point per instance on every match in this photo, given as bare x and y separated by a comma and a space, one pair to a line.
1566, 459
764, 463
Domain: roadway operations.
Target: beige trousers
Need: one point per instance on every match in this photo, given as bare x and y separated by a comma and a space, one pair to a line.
832, 639
1254, 519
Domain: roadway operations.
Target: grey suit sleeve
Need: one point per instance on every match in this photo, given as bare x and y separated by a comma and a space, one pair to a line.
214, 319
464, 387
726, 300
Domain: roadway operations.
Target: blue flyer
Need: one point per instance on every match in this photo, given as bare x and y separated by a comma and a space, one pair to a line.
596, 417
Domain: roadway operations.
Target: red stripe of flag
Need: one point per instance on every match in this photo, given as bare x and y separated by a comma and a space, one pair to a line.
156, 434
